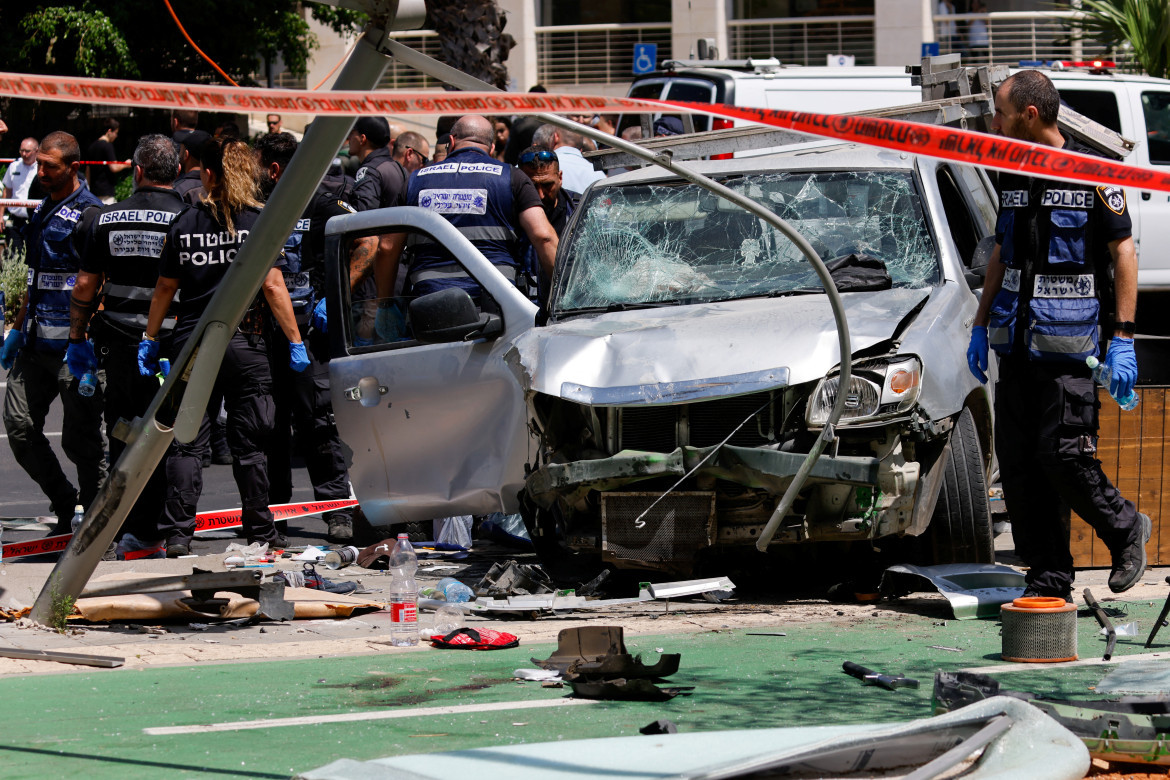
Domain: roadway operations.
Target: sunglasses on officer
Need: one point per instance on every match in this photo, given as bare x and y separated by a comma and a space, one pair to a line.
540, 157
422, 157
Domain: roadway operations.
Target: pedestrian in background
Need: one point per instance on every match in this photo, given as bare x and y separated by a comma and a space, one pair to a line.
200, 246
18, 184
34, 350
119, 270
578, 173
101, 152
543, 168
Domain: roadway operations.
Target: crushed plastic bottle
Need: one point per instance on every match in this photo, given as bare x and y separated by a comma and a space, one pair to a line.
87, 385
1102, 375
453, 591
403, 594
78, 516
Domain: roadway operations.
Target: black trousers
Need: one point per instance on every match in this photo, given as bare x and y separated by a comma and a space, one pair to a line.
246, 383
1046, 440
303, 403
128, 394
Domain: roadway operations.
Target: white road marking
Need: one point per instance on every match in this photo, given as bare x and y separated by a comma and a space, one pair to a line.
1020, 667
47, 434
348, 717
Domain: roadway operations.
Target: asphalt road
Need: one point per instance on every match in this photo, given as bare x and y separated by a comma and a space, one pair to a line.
20, 497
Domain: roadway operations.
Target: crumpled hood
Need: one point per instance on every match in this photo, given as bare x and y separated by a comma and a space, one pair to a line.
679, 353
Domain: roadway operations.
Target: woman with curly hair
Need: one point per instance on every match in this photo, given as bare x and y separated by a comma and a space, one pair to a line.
201, 244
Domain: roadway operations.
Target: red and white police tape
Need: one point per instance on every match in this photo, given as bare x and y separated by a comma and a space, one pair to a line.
204, 521
13, 203
930, 140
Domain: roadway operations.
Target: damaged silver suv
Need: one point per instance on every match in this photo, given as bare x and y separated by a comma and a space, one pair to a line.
688, 362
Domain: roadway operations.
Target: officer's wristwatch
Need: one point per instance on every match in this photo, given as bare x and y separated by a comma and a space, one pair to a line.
1124, 327
147, 337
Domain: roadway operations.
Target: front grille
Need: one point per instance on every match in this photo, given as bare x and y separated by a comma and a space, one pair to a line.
649, 428
712, 421
667, 538
706, 423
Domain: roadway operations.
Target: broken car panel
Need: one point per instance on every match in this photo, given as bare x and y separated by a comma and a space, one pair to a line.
688, 365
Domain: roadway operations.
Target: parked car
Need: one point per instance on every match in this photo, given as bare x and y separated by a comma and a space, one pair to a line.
688, 361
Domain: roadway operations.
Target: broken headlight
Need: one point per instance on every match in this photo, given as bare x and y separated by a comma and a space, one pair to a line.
876, 388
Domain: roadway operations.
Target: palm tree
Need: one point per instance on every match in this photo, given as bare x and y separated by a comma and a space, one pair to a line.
1141, 26
472, 38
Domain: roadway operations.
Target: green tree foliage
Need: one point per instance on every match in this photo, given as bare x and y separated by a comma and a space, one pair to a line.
138, 38
1141, 26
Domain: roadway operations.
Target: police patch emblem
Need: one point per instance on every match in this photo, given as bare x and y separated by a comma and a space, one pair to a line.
1113, 197
361, 174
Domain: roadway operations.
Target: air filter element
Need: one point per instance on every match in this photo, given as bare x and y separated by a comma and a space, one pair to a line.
1039, 630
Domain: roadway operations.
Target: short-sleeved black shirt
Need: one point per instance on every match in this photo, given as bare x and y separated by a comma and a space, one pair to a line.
101, 180
198, 252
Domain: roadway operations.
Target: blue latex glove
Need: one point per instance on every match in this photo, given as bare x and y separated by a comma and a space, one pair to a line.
389, 324
977, 353
148, 357
320, 319
298, 357
12, 344
80, 358
1123, 363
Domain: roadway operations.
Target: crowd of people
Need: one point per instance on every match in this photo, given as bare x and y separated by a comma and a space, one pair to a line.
115, 287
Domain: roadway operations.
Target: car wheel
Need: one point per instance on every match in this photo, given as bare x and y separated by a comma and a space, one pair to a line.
960, 529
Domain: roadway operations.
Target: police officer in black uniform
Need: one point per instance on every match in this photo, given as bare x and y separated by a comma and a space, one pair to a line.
200, 245
380, 180
303, 399
1047, 294
122, 248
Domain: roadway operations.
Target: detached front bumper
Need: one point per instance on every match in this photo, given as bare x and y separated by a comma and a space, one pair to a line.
754, 467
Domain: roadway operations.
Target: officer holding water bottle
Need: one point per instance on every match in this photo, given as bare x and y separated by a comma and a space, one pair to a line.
34, 349
1048, 300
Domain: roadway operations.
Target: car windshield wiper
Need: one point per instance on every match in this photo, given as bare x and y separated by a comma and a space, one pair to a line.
630, 306
772, 294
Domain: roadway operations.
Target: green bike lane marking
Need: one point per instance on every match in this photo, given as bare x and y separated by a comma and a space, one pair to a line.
94, 722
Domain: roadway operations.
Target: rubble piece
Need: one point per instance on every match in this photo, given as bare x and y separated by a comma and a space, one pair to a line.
621, 689
200, 580
1104, 621
1161, 621
974, 590
1150, 678
600, 652
84, 659
660, 726
1129, 729
569, 600
514, 579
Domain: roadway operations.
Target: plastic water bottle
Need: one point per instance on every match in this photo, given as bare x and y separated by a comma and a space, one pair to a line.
403, 594
1101, 375
78, 516
454, 591
87, 384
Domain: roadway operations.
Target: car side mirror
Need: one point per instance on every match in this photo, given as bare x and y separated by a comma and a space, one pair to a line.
980, 259
450, 315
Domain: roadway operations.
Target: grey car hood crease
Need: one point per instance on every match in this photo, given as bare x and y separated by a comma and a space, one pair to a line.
712, 341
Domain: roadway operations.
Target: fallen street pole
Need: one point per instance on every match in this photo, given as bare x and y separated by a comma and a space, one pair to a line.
177, 410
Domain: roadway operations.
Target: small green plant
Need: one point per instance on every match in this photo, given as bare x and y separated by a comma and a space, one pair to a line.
60, 608
13, 281
124, 187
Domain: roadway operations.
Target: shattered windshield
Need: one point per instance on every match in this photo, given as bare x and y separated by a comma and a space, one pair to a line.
678, 243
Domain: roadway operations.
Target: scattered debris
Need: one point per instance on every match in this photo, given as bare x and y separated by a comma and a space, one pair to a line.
974, 590
766, 633
84, 659
475, 639
1106, 623
537, 675
944, 647
152, 630
660, 726
1161, 621
600, 652
621, 689
515, 579
889, 682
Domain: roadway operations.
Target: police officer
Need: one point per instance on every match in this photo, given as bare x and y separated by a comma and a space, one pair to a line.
303, 398
34, 349
380, 180
542, 166
454, 188
200, 245
122, 249
1046, 294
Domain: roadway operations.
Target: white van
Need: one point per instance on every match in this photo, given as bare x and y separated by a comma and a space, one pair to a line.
1137, 107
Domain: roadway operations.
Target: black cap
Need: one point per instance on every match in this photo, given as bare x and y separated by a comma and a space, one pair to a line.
375, 128
192, 139
668, 125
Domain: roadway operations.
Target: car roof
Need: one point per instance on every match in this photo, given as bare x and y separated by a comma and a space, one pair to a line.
813, 155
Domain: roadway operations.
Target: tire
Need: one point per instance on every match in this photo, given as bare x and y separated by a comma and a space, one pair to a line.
960, 529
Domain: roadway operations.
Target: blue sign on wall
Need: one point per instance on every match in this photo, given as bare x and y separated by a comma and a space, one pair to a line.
930, 49
645, 57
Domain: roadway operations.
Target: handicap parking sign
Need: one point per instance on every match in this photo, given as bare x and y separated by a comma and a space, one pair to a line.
645, 57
